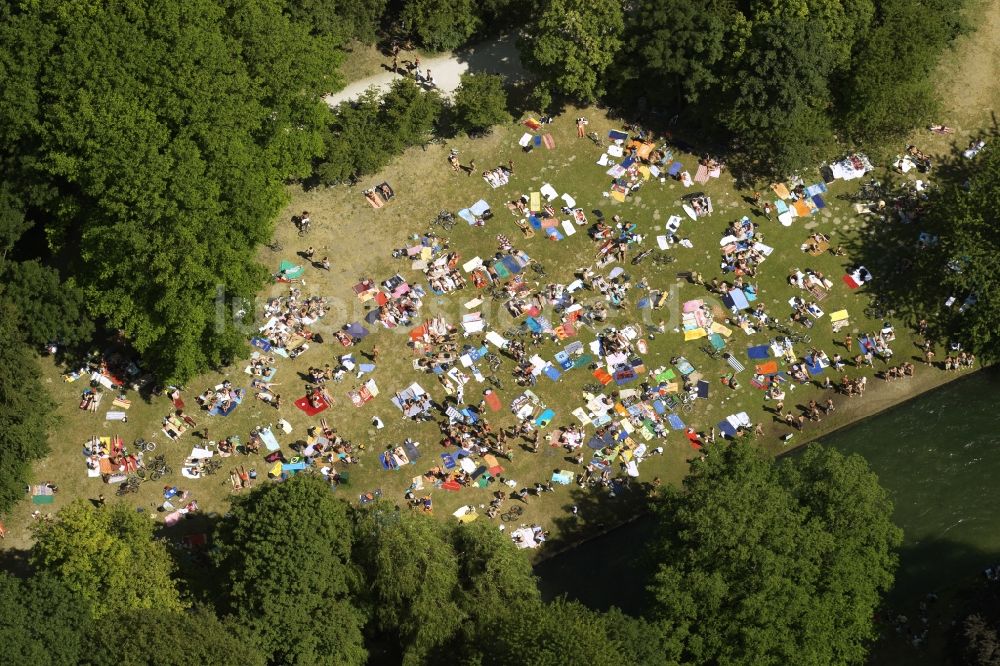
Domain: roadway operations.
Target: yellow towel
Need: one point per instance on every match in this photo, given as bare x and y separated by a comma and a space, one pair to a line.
721, 330
694, 335
838, 315
536, 201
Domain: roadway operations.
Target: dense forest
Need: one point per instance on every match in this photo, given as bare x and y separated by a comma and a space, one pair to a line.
757, 562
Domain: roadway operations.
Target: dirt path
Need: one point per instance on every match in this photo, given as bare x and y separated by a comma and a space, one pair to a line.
496, 56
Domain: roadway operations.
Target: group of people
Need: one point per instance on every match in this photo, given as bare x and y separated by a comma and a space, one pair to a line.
443, 275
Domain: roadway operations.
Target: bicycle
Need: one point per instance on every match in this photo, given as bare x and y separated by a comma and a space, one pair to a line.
539, 269
445, 220
495, 382
781, 328
512, 514
129, 485
662, 259
637, 259
159, 468
515, 332
712, 352
210, 466
592, 388
494, 362
876, 310
274, 246
144, 446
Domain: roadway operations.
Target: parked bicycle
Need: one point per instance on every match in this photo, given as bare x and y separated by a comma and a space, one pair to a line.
210, 466
129, 485
494, 362
662, 259
144, 446
637, 259
158, 468
445, 220
711, 351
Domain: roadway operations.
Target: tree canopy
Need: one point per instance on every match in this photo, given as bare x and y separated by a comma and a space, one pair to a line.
965, 261
773, 564
108, 557
25, 407
158, 154
572, 43
300, 525
42, 621
779, 83
480, 102
440, 25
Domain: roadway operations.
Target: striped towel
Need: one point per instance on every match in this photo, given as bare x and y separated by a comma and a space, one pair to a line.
734, 363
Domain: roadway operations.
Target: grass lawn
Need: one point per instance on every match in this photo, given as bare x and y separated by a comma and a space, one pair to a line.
359, 240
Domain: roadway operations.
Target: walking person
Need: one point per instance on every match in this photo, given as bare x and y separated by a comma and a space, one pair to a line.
325, 264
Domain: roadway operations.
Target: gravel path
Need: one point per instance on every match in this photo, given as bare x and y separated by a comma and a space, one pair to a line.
496, 56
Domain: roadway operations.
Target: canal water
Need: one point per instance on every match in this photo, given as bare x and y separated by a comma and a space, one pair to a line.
939, 457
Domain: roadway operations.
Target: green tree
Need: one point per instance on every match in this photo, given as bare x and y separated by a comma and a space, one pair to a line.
754, 559
364, 135
440, 25
158, 159
776, 94
284, 554
25, 408
561, 632
493, 577
684, 47
572, 43
50, 310
12, 221
887, 70
413, 579
166, 638
409, 113
480, 102
42, 622
107, 556
341, 19
966, 261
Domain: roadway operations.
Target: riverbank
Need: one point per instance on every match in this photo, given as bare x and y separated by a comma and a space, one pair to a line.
880, 398
937, 455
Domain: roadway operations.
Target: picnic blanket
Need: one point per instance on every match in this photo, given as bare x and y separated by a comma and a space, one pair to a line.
235, 398
270, 441
768, 368
290, 270
303, 404
758, 352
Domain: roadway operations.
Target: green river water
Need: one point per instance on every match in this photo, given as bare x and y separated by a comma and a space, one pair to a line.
939, 457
